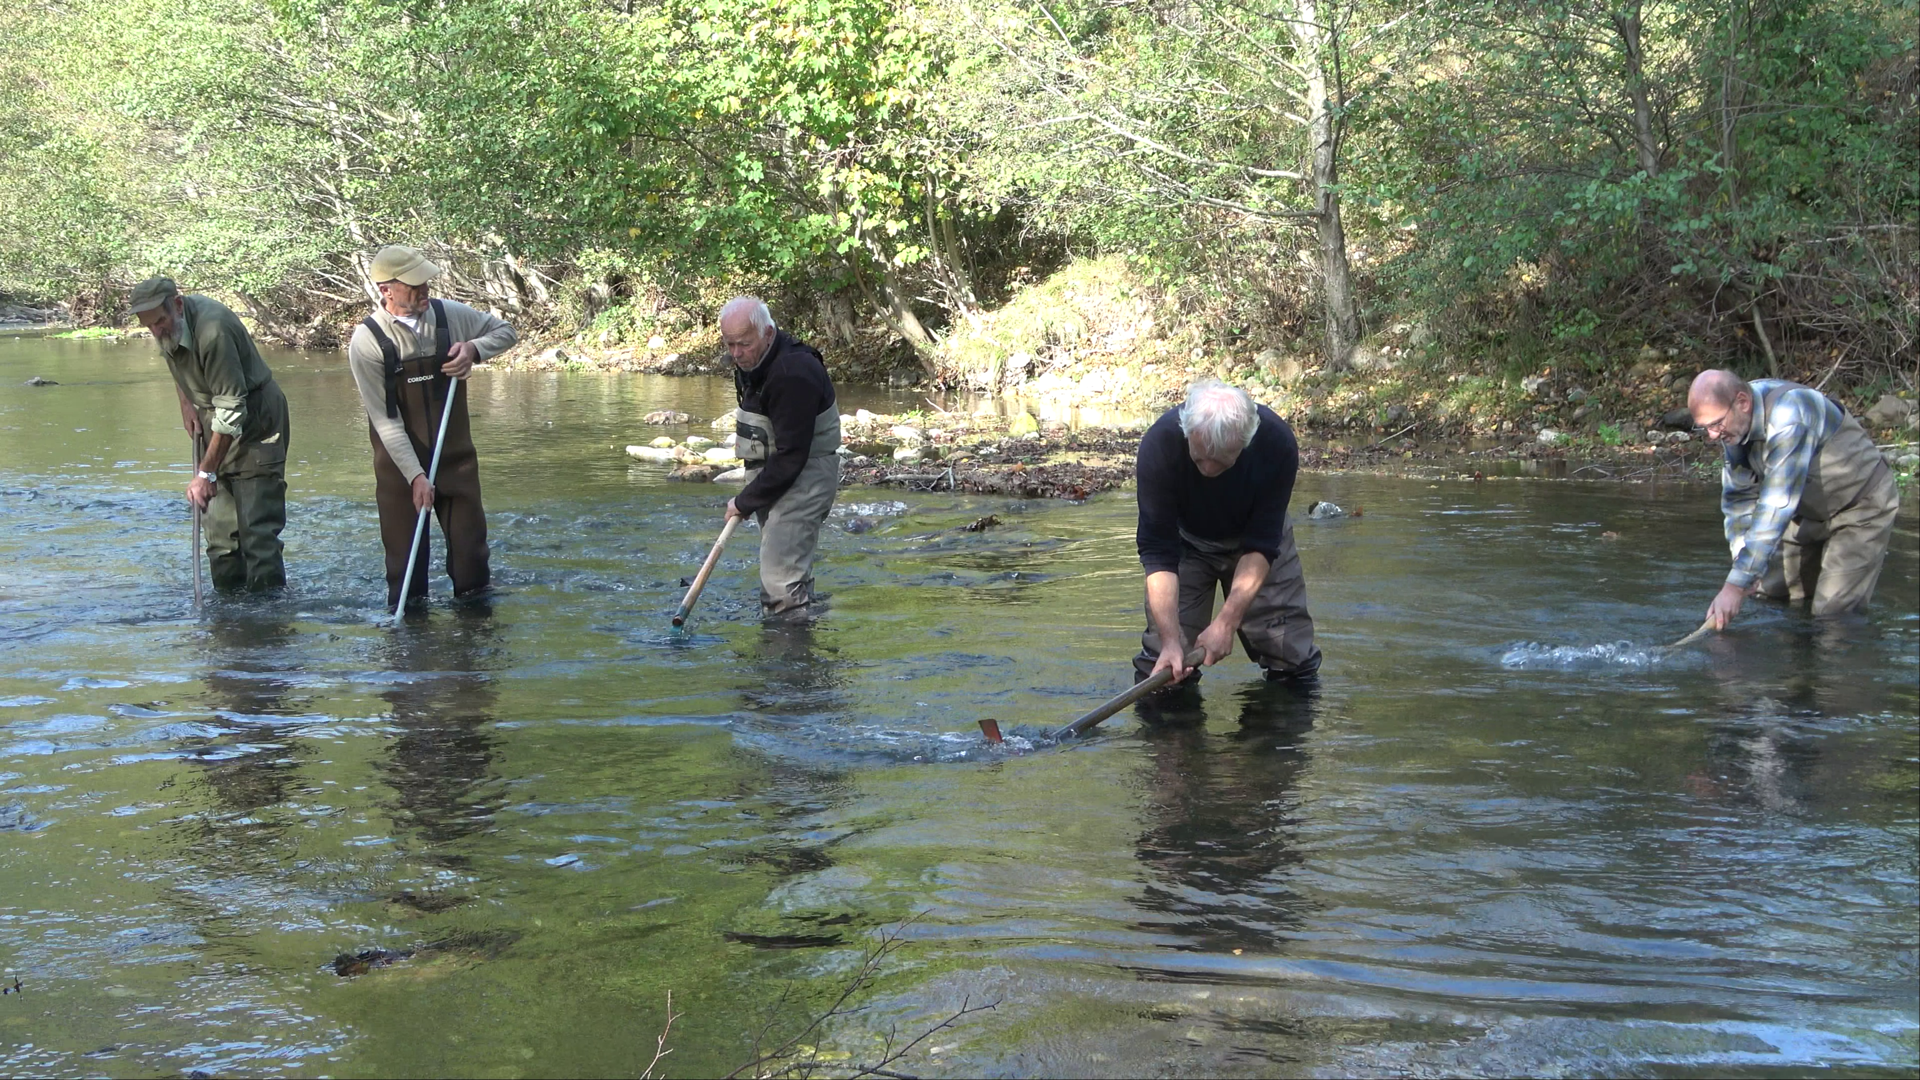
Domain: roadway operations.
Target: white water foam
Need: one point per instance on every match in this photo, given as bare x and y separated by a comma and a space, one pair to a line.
1617, 654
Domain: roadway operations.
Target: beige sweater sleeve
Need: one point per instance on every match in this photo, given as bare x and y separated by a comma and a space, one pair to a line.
490, 334
370, 375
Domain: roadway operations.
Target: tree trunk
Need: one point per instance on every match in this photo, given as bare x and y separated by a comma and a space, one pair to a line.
1627, 25
1342, 324
893, 311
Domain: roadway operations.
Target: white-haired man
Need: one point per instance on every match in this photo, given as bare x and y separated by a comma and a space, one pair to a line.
1215, 475
404, 358
788, 433
1809, 502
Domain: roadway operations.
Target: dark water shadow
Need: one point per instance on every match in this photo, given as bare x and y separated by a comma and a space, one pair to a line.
1223, 814
439, 763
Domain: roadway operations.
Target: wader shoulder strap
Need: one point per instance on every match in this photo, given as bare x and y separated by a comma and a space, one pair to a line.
392, 356
442, 337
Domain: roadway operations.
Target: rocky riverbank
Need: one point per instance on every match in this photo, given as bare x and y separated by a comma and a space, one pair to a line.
27, 317
1021, 457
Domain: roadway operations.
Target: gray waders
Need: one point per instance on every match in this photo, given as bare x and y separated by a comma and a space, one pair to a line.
790, 528
1277, 631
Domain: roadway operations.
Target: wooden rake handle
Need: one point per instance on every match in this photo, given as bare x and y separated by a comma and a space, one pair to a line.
706, 571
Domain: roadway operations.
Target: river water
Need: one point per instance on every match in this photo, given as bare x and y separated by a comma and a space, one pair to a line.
1503, 839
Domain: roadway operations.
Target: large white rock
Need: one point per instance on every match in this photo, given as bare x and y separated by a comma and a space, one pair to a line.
732, 476
698, 442
720, 454
862, 416
662, 443
907, 455
654, 453
723, 422
1888, 411
910, 436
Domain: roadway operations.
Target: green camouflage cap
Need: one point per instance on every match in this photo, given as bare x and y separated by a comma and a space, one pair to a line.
151, 293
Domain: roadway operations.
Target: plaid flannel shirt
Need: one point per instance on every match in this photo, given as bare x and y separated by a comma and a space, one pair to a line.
1763, 476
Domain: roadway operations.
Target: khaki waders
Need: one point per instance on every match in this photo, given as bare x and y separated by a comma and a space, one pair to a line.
1277, 631
417, 393
1832, 551
790, 528
243, 520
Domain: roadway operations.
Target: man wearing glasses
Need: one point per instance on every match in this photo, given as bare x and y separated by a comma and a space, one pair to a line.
1808, 499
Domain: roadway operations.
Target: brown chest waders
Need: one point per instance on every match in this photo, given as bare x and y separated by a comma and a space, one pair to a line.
416, 394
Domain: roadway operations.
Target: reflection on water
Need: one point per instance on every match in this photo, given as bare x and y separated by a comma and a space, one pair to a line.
1223, 819
1489, 843
442, 705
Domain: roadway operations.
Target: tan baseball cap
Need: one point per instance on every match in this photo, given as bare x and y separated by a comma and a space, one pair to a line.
403, 264
151, 293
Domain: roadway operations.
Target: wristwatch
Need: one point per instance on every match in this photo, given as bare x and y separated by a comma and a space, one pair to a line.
211, 478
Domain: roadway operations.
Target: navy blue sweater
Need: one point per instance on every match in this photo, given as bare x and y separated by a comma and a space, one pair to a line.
1247, 503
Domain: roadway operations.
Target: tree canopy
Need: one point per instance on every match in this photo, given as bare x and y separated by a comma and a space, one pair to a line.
1539, 178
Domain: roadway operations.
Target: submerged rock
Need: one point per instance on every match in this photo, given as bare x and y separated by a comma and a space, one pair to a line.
1322, 510
654, 453
38, 381
665, 416
347, 965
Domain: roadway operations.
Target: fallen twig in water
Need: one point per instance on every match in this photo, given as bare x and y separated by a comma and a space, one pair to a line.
1390, 438
660, 1044
932, 480
793, 1058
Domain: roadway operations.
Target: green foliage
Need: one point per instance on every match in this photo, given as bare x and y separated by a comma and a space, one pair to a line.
1780, 176
1569, 179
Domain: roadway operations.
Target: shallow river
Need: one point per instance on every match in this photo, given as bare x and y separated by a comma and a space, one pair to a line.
1470, 853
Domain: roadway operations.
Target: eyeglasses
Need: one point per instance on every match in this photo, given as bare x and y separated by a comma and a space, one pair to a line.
1716, 428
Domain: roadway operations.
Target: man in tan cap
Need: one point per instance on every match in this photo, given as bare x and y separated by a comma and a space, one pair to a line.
228, 394
405, 357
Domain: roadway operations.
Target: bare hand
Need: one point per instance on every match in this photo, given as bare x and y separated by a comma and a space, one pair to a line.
460, 359
733, 511
1217, 640
1172, 658
199, 493
422, 493
1726, 605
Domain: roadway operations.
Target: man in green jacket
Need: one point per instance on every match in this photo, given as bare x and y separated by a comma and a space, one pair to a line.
228, 395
